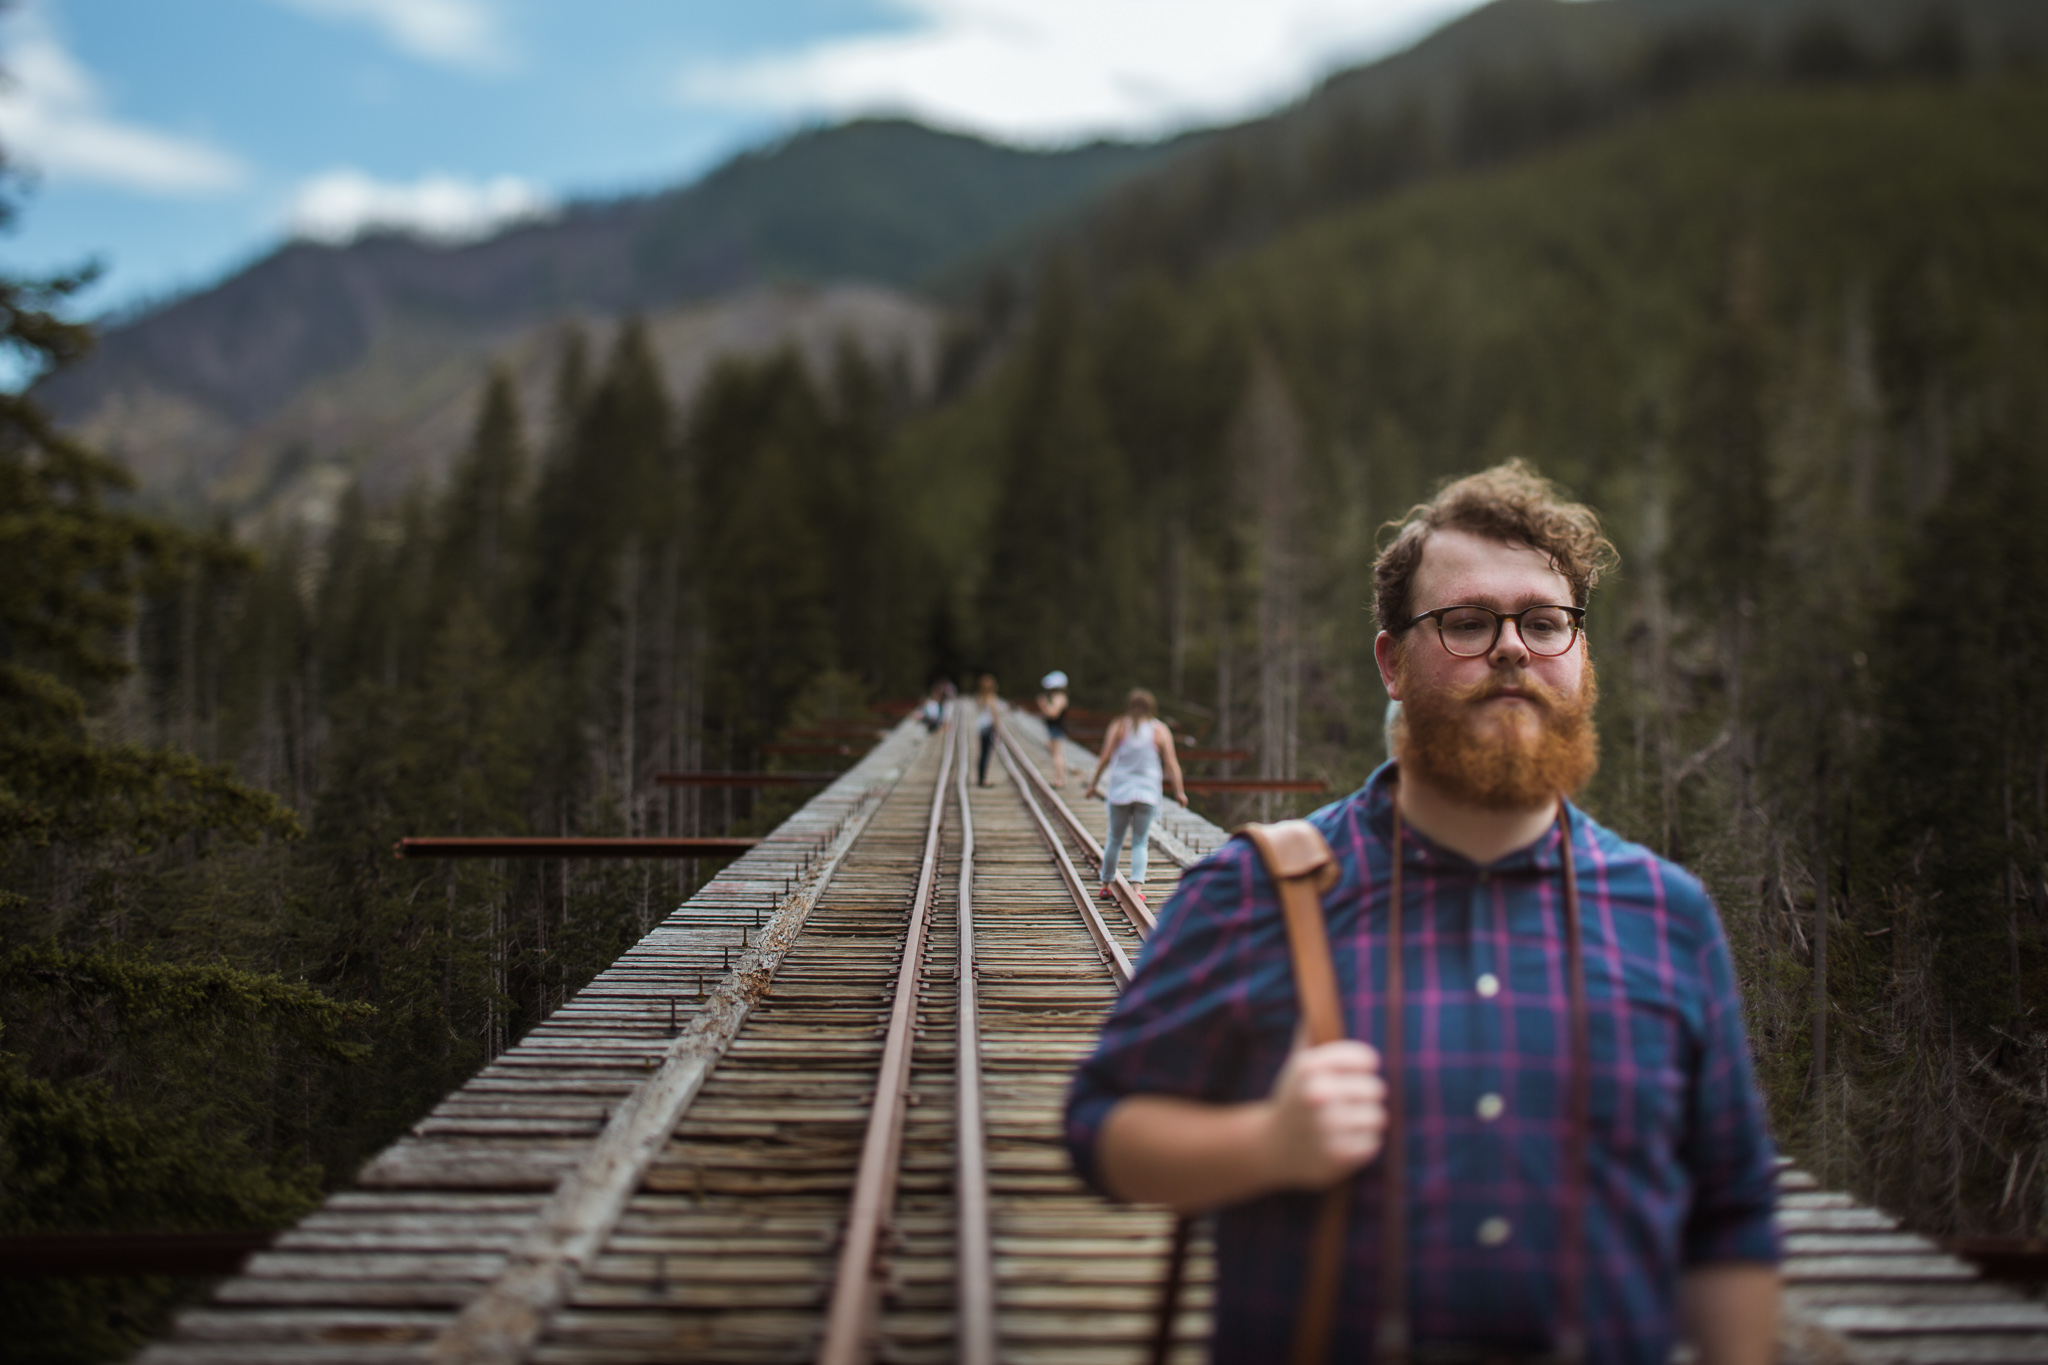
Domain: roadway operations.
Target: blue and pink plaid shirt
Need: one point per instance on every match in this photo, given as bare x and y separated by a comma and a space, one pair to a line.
1681, 1167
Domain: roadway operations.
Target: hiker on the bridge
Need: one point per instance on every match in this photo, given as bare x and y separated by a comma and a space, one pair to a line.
1138, 752
1052, 708
1539, 1139
985, 702
933, 710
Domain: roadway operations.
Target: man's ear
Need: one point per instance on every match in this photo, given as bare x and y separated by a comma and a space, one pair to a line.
1385, 651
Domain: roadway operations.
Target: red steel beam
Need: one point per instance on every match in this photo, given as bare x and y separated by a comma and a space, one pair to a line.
1255, 784
52, 1255
572, 848
2023, 1259
744, 779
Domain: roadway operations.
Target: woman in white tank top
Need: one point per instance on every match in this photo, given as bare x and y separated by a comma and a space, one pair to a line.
1138, 752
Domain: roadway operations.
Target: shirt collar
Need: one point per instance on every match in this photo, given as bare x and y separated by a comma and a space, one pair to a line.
1377, 799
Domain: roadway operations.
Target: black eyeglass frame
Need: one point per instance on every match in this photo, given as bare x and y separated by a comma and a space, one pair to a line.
1576, 615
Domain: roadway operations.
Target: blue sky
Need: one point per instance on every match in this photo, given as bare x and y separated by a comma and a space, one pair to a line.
172, 142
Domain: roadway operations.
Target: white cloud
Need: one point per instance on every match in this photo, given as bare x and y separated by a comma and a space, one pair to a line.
339, 206
461, 32
54, 118
1050, 70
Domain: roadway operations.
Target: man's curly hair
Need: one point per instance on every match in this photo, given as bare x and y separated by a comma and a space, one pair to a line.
1510, 502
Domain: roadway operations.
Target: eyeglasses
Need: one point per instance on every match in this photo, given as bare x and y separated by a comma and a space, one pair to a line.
1469, 632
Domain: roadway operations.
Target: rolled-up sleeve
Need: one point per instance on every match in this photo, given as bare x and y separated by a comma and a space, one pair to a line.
1174, 1031
1727, 1150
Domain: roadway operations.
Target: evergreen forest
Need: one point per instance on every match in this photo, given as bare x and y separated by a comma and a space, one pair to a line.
1785, 325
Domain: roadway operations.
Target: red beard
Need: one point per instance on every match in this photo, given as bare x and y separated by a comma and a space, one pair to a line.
1510, 760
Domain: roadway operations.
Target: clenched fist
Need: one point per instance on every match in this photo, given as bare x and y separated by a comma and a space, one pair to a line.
1326, 1117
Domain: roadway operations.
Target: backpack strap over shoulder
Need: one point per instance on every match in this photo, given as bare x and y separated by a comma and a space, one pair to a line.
1302, 867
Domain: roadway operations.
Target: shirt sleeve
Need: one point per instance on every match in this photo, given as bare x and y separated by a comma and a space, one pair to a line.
1727, 1148
1175, 1029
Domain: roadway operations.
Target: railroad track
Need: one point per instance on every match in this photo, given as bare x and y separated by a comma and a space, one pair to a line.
815, 1115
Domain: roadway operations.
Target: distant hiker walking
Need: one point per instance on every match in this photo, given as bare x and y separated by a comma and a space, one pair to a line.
986, 702
933, 712
1052, 708
1138, 752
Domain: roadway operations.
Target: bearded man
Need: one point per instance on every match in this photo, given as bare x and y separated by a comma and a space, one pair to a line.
1580, 1169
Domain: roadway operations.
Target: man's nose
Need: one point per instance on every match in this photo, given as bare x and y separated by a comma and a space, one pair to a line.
1509, 647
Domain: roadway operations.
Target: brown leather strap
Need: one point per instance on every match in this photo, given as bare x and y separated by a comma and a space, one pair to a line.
1303, 867
1391, 1340
1571, 1336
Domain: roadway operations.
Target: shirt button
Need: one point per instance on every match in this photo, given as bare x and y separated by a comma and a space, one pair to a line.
1490, 1107
1494, 1231
1489, 985
1484, 876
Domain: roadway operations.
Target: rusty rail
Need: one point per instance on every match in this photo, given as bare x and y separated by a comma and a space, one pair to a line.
851, 1320
708, 847
974, 1274
1127, 899
1110, 950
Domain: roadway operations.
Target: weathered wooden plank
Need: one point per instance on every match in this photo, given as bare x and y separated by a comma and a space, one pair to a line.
2014, 1315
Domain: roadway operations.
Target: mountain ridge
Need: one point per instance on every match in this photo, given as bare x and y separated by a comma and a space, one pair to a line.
203, 389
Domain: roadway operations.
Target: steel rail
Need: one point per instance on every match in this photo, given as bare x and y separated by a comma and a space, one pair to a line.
1111, 951
974, 1274
854, 1314
502, 1324
1126, 896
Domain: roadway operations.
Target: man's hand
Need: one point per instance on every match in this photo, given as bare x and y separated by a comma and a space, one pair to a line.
1729, 1311
1327, 1115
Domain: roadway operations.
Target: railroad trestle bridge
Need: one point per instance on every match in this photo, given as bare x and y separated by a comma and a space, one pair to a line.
815, 1115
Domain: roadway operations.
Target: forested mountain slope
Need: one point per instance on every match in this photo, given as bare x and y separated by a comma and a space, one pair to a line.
319, 364
205, 387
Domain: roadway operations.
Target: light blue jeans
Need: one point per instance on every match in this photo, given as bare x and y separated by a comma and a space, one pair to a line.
1136, 817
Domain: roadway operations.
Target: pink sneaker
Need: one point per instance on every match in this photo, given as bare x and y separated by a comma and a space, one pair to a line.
1107, 893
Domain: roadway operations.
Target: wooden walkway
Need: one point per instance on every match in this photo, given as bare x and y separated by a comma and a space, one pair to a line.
665, 1169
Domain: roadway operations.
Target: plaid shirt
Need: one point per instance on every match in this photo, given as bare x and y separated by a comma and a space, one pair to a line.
1681, 1168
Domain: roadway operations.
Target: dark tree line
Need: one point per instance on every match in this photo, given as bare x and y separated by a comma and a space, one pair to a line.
211, 749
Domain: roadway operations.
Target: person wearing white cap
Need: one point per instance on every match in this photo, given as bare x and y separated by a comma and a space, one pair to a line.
1052, 708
